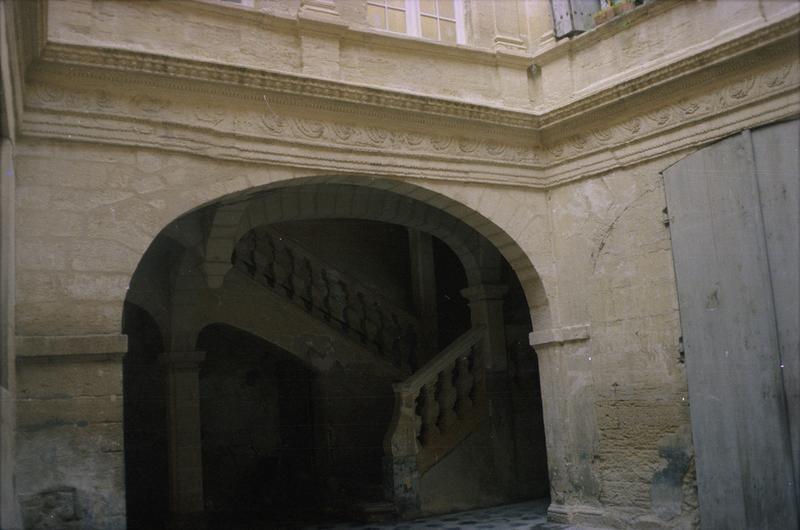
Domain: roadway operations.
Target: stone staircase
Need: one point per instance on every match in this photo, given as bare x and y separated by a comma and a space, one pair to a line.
331, 295
436, 407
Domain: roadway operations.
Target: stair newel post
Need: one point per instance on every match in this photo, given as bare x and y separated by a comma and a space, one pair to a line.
335, 301
429, 413
447, 398
401, 447
464, 386
479, 372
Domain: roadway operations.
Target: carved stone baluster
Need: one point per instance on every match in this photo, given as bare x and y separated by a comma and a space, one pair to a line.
284, 266
336, 300
447, 399
264, 259
301, 281
429, 414
356, 316
478, 371
464, 385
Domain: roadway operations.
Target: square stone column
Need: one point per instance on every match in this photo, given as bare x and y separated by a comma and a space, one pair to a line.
565, 372
423, 290
183, 417
486, 306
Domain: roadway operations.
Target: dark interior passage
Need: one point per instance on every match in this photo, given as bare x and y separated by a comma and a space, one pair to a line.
260, 448
297, 434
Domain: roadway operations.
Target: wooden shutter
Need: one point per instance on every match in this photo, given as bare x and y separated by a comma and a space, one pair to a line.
735, 224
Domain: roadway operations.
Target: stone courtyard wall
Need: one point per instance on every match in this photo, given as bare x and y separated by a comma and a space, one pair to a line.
86, 218
115, 145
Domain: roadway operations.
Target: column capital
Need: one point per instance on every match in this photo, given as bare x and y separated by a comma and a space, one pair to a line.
555, 336
477, 293
183, 359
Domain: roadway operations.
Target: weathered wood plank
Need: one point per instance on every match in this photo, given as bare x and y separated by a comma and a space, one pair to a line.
777, 157
735, 388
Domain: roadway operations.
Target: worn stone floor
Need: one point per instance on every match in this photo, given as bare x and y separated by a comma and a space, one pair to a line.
521, 516
531, 515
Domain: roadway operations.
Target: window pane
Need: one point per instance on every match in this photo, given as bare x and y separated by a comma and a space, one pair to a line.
428, 7
376, 16
401, 4
429, 30
397, 20
446, 9
448, 30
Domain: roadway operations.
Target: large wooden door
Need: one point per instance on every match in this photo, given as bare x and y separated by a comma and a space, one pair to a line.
734, 211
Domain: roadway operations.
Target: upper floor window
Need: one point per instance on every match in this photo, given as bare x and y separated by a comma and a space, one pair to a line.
440, 20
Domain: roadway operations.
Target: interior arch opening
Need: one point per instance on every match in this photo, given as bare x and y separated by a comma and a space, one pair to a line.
341, 355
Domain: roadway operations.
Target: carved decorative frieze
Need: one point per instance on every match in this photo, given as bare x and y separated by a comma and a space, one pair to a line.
379, 131
753, 88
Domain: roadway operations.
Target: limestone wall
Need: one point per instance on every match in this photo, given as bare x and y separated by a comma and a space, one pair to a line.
613, 253
610, 266
266, 36
8, 502
117, 146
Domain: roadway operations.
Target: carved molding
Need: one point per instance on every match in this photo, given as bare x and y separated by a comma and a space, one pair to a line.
782, 34
304, 122
71, 348
748, 90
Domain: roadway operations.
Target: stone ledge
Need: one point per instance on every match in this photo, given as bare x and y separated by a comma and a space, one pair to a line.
71, 348
547, 337
575, 513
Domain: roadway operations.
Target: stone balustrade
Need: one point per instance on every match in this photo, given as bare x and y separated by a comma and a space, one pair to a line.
323, 291
435, 408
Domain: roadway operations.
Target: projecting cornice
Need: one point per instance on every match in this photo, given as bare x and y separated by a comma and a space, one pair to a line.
216, 78
125, 97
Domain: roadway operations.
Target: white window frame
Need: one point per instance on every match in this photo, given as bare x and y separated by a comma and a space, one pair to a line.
413, 22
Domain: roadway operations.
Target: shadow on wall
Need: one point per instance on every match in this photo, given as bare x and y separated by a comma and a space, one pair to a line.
145, 428
261, 439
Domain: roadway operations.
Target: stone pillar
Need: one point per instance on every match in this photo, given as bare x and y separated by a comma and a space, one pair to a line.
507, 26
486, 305
565, 372
423, 287
316, 8
320, 30
185, 446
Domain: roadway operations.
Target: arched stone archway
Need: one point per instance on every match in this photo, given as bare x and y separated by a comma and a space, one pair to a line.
465, 218
211, 232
